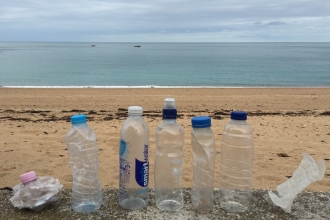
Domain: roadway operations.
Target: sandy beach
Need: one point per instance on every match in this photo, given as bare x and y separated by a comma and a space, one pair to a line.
285, 122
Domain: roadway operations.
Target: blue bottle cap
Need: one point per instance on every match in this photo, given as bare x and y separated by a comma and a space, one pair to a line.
201, 122
238, 115
169, 113
77, 119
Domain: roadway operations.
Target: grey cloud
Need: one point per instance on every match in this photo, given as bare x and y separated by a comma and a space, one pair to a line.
270, 23
84, 19
276, 23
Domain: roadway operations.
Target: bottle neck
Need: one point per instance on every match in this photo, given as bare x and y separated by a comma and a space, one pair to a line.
135, 116
169, 120
28, 183
238, 122
202, 129
79, 125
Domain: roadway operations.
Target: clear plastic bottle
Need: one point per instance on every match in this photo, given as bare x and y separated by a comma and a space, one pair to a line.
134, 161
36, 193
169, 138
236, 164
308, 172
203, 149
84, 163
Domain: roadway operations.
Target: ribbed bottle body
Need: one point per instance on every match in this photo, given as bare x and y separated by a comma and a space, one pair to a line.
236, 163
169, 139
203, 150
84, 163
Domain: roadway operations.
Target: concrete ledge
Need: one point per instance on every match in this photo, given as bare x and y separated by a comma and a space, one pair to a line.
308, 205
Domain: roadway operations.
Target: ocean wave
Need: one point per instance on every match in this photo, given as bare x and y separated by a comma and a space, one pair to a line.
116, 87
154, 86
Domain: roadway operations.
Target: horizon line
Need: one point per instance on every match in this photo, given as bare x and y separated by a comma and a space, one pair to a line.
45, 41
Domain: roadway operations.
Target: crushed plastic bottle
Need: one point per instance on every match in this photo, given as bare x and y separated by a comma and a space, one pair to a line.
36, 193
84, 163
308, 172
203, 149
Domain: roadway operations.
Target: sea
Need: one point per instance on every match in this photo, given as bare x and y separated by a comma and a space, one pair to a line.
164, 65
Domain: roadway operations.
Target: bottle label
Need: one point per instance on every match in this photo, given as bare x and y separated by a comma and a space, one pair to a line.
138, 169
125, 171
122, 148
142, 169
125, 166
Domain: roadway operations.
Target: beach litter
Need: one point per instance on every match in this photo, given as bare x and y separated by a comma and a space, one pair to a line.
36, 193
308, 172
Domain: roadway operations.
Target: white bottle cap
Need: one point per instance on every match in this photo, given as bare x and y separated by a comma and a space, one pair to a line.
169, 103
135, 110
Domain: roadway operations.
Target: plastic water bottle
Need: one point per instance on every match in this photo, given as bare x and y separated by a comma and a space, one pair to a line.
36, 193
84, 163
169, 138
203, 148
236, 163
134, 161
308, 172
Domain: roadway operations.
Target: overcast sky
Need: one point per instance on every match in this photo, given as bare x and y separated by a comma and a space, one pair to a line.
165, 20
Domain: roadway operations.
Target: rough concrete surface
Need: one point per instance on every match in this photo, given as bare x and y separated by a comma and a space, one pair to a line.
308, 205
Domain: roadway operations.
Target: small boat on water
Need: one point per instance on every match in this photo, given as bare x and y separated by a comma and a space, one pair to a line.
137, 46
93, 45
